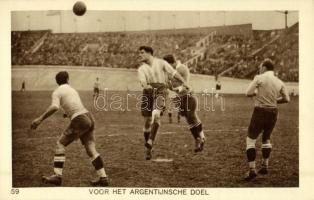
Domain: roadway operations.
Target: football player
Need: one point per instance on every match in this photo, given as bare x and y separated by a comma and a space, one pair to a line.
218, 89
187, 102
81, 126
268, 91
96, 89
23, 86
153, 76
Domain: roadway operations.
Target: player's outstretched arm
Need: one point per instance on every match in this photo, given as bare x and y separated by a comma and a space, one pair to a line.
251, 90
50, 111
181, 79
175, 74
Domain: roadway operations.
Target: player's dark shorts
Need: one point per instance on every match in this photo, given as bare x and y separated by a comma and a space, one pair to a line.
82, 126
96, 90
154, 98
263, 120
186, 104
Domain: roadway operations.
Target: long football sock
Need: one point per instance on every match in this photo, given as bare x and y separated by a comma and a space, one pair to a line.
99, 166
146, 136
266, 154
196, 131
154, 131
200, 131
58, 163
202, 135
251, 155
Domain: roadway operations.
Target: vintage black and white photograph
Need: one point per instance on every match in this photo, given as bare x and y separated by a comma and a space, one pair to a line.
155, 98
114, 101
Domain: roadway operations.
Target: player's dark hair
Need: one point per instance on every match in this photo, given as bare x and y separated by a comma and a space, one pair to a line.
62, 77
169, 58
147, 49
268, 64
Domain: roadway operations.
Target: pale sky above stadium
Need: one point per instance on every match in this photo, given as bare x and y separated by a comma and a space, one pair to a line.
95, 21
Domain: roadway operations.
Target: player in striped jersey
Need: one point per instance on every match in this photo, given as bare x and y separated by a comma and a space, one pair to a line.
187, 102
153, 76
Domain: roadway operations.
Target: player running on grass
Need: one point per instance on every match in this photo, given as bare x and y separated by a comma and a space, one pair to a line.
187, 102
81, 126
268, 91
153, 75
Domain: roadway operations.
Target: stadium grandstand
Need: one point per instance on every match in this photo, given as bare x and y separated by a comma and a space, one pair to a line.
231, 51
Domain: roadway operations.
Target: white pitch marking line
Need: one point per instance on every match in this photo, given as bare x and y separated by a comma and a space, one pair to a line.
162, 160
112, 135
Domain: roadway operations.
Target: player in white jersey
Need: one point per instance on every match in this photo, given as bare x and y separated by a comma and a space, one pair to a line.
268, 91
81, 126
187, 102
153, 76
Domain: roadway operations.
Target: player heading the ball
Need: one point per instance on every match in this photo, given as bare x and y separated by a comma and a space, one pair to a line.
153, 75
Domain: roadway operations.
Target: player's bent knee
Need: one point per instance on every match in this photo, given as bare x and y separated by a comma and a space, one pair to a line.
60, 148
193, 122
146, 129
148, 121
91, 149
192, 119
250, 143
156, 116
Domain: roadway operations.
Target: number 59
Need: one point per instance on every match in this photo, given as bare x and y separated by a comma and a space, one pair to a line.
15, 191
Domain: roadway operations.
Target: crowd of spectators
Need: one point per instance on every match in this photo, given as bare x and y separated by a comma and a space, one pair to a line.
95, 49
22, 42
239, 56
233, 55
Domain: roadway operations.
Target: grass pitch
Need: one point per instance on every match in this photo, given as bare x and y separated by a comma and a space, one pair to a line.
120, 141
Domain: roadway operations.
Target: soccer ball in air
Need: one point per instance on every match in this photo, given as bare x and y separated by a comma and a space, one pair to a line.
79, 8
